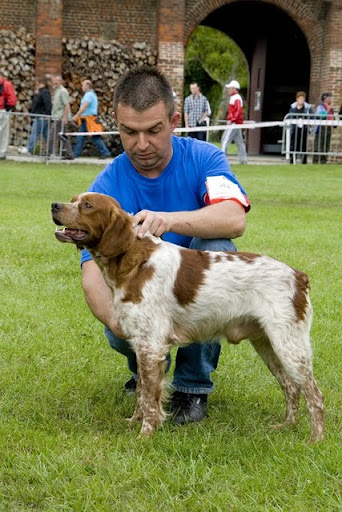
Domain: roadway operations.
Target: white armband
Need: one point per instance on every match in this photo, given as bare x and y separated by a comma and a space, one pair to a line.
220, 188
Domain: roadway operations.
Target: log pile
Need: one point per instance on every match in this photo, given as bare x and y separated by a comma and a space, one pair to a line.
17, 61
102, 62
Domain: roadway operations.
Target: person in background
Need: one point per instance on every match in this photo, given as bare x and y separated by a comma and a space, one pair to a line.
207, 122
61, 115
324, 111
41, 105
86, 118
234, 116
196, 109
8, 100
175, 99
299, 132
176, 187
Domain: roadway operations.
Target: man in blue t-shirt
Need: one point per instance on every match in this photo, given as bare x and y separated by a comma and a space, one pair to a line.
86, 117
180, 189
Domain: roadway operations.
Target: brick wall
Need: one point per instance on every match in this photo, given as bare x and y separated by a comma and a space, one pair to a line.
18, 13
48, 36
171, 42
126, 21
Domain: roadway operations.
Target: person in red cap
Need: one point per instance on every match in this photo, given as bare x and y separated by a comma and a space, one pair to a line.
234, 116
8, 101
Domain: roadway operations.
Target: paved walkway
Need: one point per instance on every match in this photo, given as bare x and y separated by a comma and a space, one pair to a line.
233, 160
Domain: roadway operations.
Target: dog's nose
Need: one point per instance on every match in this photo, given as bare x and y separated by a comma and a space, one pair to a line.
56, 206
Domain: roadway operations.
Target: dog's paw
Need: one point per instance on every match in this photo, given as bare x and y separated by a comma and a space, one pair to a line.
282, 426
147, 430
134, 419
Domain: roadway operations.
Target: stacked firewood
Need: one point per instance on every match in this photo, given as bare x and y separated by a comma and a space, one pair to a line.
102, 62
17, 61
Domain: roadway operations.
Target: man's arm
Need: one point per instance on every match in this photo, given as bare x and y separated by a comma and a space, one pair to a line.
204, 115
99, 297
10, 96
235, 111
66, 112
186, 120
226, 219
81, 110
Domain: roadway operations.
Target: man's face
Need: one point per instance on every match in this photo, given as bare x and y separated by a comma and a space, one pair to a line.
147, 136
56, 82
85, 86
194, 89
300, 101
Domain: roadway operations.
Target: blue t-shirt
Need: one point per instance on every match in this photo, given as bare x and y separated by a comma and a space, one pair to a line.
91, 98
180, 187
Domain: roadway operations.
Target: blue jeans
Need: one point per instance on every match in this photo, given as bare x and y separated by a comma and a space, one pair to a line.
195, 362
39, 129
95, 139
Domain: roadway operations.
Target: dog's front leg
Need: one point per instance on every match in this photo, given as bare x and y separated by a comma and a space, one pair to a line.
151, 371
138, 412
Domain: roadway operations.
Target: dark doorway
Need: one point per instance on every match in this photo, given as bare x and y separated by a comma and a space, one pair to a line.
278, 59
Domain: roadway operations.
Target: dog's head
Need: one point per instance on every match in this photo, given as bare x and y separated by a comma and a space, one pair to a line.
94, 221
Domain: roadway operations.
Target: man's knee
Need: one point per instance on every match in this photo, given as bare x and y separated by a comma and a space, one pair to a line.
118, 344
212, 244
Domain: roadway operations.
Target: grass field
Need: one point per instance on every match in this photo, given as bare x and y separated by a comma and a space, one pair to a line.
65, 445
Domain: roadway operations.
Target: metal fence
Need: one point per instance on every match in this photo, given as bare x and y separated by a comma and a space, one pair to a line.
312, 138
41, 137
306, 138
29, 134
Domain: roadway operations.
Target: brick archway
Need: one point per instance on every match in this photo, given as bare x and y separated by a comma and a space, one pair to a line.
311, 22
319, 40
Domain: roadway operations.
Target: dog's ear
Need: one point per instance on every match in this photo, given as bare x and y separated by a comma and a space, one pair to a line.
118, 235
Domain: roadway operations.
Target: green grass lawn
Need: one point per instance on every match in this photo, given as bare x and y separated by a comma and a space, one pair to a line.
65, 445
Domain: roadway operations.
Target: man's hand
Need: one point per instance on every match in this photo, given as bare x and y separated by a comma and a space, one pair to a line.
157, 223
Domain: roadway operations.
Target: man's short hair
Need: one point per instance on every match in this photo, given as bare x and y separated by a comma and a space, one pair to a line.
300, 93
142, 88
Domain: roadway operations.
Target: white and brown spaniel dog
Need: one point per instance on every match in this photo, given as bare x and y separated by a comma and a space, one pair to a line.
166, 295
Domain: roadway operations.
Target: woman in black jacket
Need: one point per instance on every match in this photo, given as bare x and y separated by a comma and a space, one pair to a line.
41, 105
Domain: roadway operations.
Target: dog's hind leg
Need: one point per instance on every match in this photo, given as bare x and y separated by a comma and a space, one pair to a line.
292, 347
290, 389
315, 402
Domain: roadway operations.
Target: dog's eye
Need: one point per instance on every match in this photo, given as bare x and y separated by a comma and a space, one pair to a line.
87, 205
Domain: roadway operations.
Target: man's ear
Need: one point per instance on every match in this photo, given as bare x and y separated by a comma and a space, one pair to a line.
118, 235
175, 118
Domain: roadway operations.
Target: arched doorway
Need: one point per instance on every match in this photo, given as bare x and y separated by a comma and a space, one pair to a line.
279, 63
